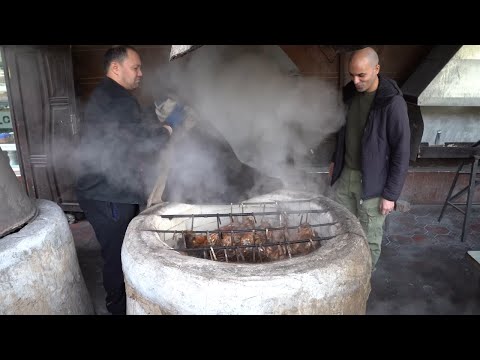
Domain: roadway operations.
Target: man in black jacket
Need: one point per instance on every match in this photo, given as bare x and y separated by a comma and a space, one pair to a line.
114, 138
373, 148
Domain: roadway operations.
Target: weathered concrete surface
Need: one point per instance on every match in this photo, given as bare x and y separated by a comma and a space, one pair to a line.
457, 83
334, 279
39, 270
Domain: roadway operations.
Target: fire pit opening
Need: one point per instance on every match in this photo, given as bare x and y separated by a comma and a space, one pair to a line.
252, 232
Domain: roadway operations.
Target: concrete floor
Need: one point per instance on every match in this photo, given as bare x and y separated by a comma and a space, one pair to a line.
423, 268
90, 260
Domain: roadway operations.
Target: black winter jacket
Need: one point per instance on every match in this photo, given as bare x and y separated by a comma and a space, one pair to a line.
115, 138
385, 142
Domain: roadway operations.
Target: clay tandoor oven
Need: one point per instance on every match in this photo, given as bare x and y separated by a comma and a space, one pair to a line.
174, 262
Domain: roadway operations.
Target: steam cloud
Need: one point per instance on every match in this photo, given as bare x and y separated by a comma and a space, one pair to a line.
265, 114
270, 118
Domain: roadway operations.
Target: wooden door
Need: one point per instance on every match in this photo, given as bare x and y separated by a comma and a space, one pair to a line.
40, 82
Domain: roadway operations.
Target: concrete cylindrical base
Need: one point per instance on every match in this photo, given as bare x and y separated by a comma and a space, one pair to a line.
333, 279
39, 270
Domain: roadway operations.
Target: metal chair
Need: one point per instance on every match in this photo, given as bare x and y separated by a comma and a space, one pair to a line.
474, 180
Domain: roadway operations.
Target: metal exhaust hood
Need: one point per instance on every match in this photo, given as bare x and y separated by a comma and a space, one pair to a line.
449, 76
443, 98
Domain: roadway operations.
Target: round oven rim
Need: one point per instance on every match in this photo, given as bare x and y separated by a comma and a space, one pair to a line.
160, 265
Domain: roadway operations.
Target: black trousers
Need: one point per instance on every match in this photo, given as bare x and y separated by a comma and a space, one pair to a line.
110, 221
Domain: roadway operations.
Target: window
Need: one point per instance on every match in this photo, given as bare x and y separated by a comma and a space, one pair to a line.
7, 139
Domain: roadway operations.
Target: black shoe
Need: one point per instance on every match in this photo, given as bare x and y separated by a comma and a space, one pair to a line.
116, 302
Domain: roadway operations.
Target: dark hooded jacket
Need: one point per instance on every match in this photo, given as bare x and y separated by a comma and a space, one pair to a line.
115, 139
385, 142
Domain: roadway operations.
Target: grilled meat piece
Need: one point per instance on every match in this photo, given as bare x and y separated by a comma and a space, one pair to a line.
250, 236
304, 232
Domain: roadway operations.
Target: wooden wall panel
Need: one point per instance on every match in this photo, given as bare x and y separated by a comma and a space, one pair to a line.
87, 70
32, 82
399, 61
42, 181
314, 60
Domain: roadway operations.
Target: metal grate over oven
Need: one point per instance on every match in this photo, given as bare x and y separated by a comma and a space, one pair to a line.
278, 230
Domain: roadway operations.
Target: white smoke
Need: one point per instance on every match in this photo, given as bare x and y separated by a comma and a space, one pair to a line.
269, 117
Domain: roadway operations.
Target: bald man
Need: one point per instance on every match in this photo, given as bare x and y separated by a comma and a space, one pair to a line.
373, 147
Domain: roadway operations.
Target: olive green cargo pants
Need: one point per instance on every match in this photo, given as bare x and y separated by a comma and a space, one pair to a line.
349, 194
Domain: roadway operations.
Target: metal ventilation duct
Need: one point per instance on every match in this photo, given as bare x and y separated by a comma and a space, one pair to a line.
180, 50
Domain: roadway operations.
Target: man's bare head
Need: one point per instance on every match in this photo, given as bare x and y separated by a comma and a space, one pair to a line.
122, 64
363, 68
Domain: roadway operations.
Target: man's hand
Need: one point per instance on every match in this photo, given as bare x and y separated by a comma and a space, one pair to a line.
386, 206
